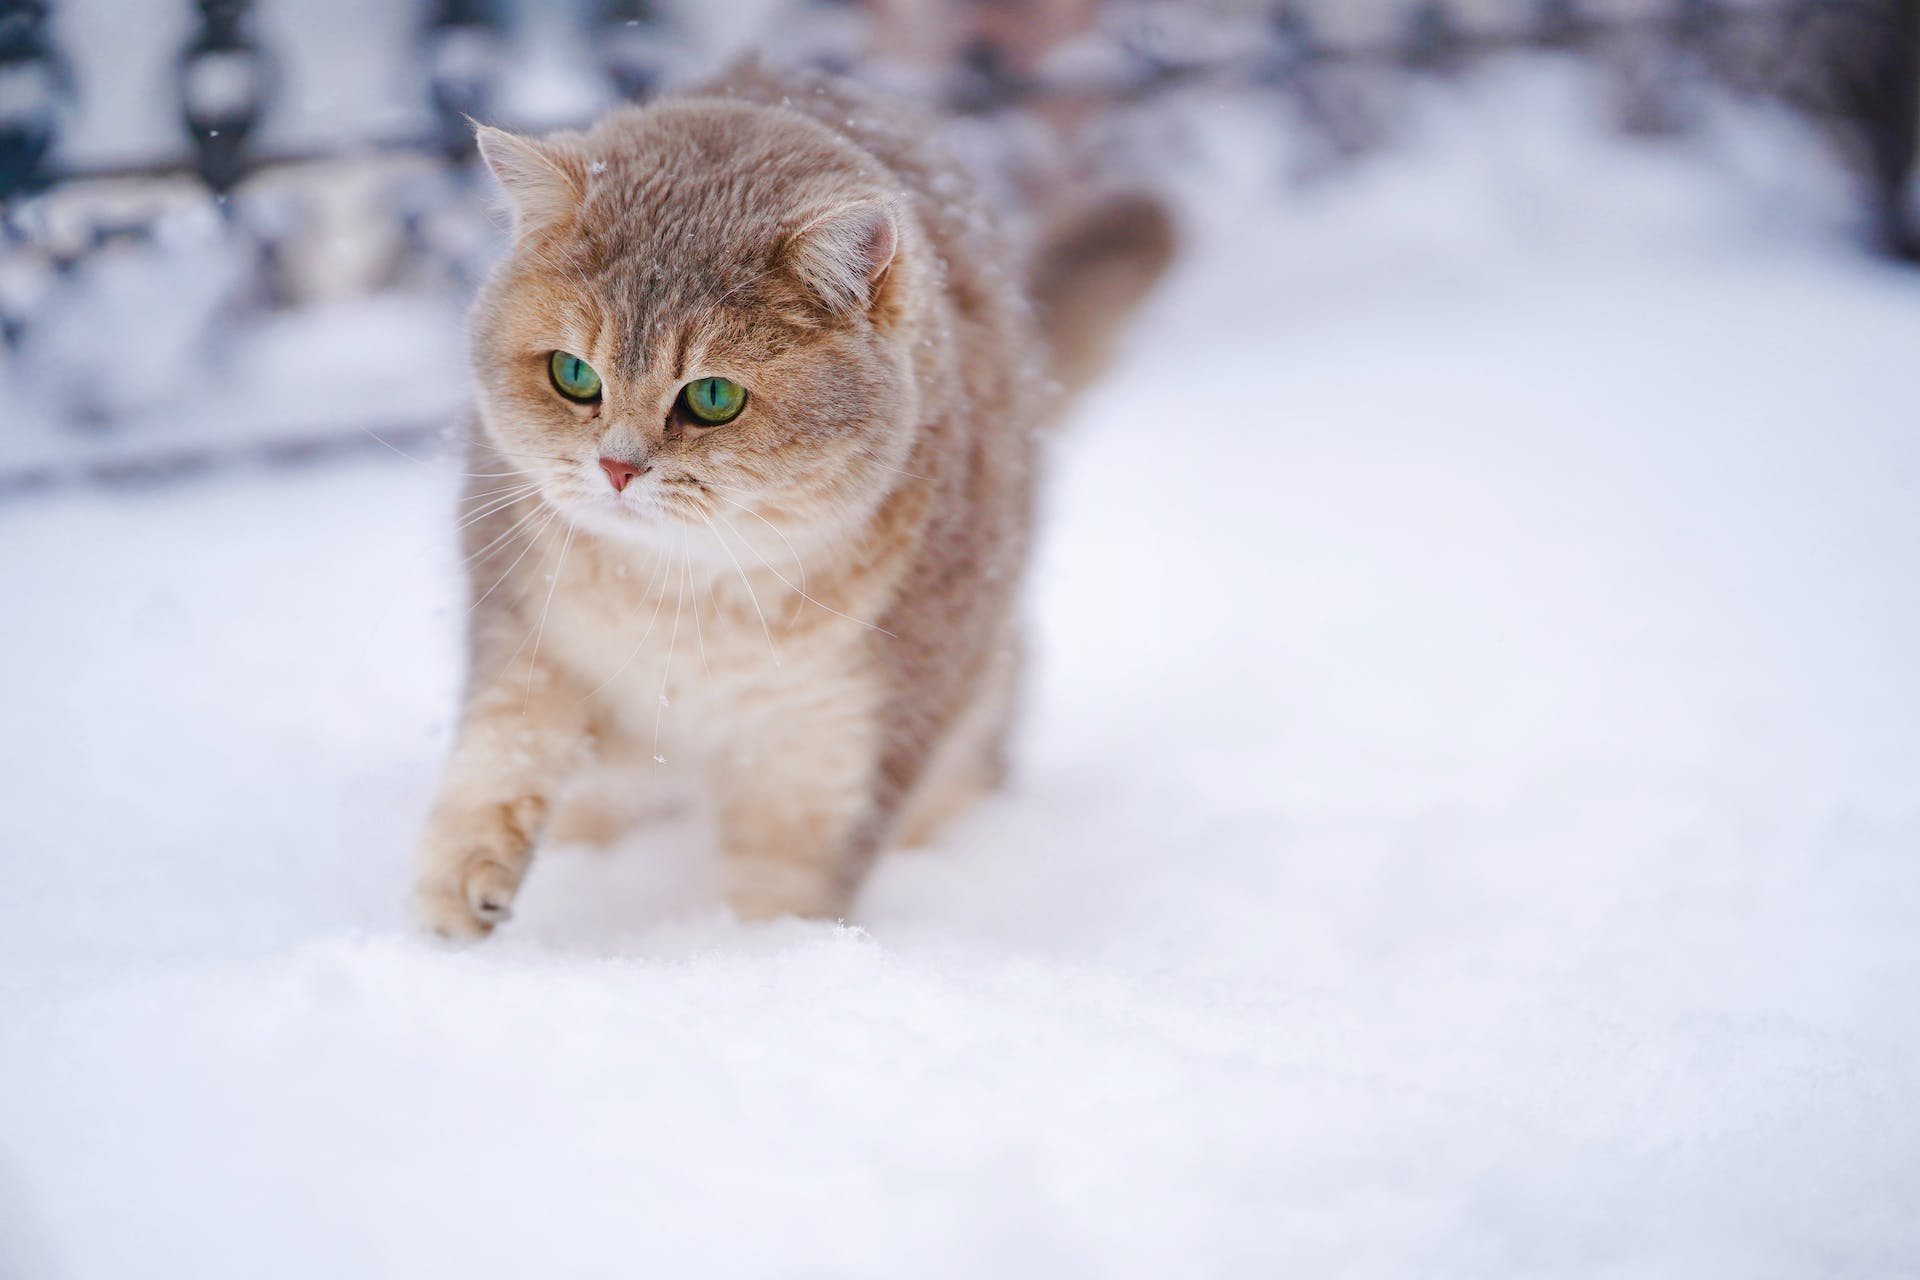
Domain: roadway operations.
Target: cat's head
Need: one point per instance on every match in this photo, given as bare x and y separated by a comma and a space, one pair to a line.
704, 314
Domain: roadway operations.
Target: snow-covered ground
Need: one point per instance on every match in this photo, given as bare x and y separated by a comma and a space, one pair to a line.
1469, 821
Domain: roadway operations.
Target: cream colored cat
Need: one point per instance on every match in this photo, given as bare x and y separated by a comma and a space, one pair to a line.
757, 392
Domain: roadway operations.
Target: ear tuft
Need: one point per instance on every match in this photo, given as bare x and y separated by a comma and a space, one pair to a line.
542, 180
841, 255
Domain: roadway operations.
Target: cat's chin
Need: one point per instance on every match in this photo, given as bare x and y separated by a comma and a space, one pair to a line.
637, 525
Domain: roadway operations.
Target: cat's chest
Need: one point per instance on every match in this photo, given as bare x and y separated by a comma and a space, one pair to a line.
680, 657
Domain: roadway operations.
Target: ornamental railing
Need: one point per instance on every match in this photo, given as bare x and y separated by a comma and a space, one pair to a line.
235, 233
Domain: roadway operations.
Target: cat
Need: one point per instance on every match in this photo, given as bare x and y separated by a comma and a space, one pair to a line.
758, 388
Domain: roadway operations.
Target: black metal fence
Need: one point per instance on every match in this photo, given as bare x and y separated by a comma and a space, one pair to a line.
1852, 65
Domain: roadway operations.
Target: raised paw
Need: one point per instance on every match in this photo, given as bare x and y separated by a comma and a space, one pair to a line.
465, 898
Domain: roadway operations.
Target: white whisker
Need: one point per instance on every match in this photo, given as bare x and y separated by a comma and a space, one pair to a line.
752, 595
508, 453
495, 505
431, 462
657, 589
531, 544
888, 466
428, 462
666, 671
511, 529
388, 444
799, 565
809, 599
686, 568
521, 481
533, 663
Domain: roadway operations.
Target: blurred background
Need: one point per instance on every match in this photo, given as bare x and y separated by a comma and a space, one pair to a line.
1466, 813
286, 193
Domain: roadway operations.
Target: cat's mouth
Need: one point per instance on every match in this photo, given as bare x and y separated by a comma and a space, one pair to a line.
648, 502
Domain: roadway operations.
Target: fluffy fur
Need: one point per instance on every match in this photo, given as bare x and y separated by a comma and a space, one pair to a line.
811, 608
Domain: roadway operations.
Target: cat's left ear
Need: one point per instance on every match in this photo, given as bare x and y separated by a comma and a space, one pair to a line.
843, 255
543, 178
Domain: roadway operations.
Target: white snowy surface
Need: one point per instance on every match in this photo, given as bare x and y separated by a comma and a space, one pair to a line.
1469, 820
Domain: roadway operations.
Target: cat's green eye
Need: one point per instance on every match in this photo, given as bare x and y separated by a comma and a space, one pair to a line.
573, 377
713, 402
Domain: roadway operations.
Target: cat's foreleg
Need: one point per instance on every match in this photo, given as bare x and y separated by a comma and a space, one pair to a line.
520, 741
800, 817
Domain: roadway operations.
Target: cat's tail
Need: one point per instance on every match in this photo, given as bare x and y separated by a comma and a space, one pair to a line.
1094, 265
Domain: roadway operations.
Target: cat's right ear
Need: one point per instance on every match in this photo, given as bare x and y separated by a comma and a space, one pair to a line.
544, 181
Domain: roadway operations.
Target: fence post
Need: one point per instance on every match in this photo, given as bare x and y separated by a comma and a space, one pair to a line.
632, 36
35, 87
1892, 110
462, 45
225, 78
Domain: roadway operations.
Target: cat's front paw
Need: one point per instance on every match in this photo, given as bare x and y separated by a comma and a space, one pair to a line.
464, 895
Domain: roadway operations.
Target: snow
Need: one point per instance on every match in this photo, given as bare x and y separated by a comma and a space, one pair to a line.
1466, 823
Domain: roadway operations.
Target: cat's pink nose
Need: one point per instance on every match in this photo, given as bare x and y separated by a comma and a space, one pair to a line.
620, 473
